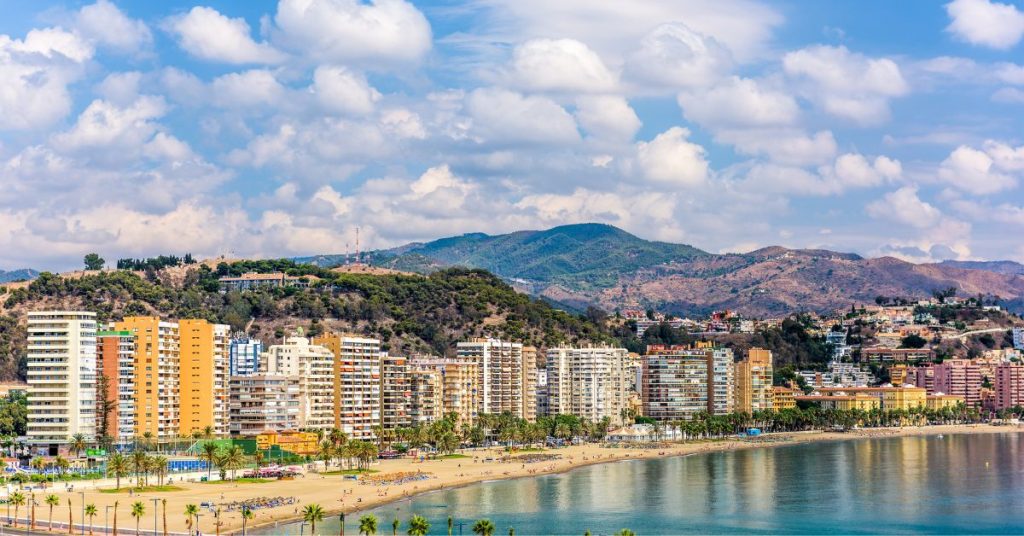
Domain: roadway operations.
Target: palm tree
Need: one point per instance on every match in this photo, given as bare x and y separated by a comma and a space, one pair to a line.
208, 432
90, 512
483, 527
77, 444
451, 524
210, 453
18, 500
191, 511
159, 465
164, 503
368, 524
511, 531
625, 532
138, 510
140, 463
395, 523
115, 517
246, 516
71, 520
418, 526
258, 458
313, 513
230, 460
51, 501
117, 465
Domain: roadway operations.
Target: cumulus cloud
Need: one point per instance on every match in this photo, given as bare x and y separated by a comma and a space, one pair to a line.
342, 90
846, 84
739, 102
36, 72
787, 146
981, 171
905, 207
207, 34
607, 118
378, 33
561, 65
501, 116
675, 56
671, 159
256, 87
107, 25
985, 23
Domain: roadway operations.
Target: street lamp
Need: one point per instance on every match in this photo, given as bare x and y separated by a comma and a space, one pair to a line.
156, 511
106, 517
302, 528
72, 528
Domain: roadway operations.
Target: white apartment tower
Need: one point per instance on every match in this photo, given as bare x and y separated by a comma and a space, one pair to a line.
61, 376
591, 382
314, 367
357, 383
506, 376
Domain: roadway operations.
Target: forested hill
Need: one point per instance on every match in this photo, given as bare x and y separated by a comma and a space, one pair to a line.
409, 313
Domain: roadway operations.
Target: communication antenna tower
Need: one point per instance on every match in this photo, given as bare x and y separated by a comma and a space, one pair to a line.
357, 246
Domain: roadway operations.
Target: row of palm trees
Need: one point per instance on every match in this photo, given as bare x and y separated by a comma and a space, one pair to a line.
139, 463
418, 525
18, 499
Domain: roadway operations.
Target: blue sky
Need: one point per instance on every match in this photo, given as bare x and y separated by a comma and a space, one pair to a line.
265, 129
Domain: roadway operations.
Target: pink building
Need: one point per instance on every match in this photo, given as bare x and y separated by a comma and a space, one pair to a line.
959, 377
1009, 386
923, 376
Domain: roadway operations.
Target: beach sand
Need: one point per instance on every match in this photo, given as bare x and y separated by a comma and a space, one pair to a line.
335, 493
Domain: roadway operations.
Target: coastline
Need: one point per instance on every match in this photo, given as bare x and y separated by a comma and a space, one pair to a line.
325, 490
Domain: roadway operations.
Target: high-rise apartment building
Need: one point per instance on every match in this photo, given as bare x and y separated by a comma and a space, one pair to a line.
459, 386
115, 361
244, 355
157, 375
1018, 338
753, 377
591, 382
680, 381
61, 360
203, 366
506, 376
1009, 385
395, 392
959, 377
263, 402
356, 383
314, 366
426, 400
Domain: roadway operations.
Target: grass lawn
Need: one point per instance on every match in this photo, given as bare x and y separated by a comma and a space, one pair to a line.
351, 472
242, 481
144, 489
529, 449
451, 456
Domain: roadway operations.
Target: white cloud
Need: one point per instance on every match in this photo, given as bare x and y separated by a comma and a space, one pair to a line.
104, 23
256, 87
669, 158
35, 74
675, 56
986, 23
342, 90
607, 118
787, 146
502, 116
739, 102
120, 88
846, 84
904, 206
207, 34
103, 125
975, 171
1008, 95
342, 31
853, 170
561, 65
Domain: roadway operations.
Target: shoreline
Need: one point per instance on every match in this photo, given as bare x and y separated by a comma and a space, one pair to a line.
336, 494
769, 440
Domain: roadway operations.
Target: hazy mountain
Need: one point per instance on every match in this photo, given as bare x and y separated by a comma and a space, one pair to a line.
999, 267
592, 264
17, 275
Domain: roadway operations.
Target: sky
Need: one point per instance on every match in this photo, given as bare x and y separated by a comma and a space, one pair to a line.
270, 129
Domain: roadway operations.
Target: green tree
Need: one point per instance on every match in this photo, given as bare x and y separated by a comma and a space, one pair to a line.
51, 501
246, 516
210, 454
93, 262
77, 444
138, 510
625, 532
395, 523
191, 512
312, 513
483, 527
368, 524
90, 512
451, 525
117, 465
418, 526
18, 500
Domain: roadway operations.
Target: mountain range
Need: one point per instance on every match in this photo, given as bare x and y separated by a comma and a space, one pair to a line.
23, 274
595, 264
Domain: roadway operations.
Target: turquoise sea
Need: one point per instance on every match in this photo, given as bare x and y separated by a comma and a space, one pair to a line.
954, 484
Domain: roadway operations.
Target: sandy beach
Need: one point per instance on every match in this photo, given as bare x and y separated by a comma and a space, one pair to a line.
335, 493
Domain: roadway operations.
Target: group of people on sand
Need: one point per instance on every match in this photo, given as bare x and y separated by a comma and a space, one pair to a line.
259, 503
395, 479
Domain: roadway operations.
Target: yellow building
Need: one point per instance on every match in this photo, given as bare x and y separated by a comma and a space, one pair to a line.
301, 443
861, 401
898, 375
903, 398
754, 381
356, 382
156, 375
203, 377
783, 398
940, 401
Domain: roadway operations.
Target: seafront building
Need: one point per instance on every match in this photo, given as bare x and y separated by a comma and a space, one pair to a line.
313, 365
680, 381
1009, 386
754, 382
204, 370
61, 363
592, 382
459, 386
356, 383
506, 376
157, 375
426, 395
395, 392
261, 402
959, 377
115, 361
244, 355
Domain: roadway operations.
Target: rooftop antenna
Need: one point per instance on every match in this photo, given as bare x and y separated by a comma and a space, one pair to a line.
357, 245
347, 256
